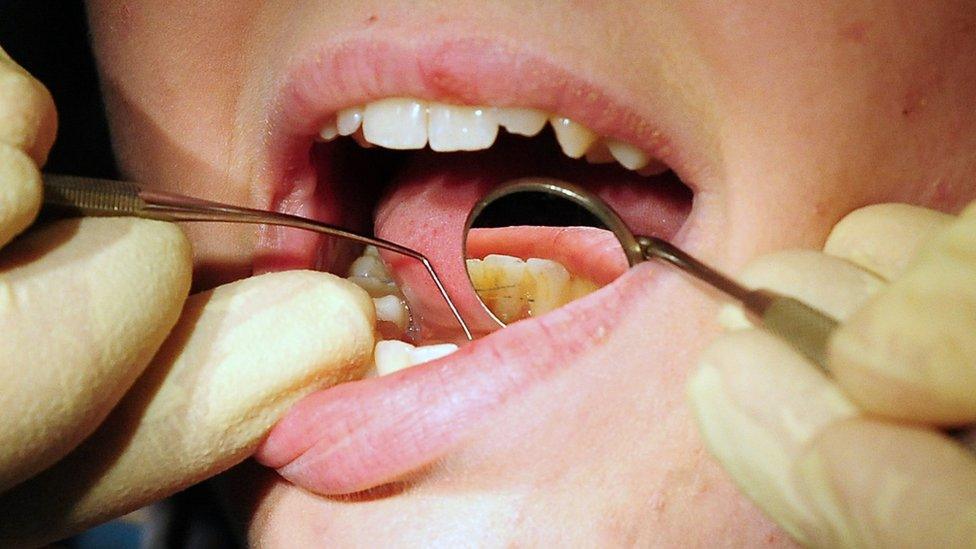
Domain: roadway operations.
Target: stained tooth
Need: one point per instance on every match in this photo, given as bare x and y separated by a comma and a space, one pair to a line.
628, 155
550, 279
391, 309
396, 123
349, 120
527, 122
508, 302
453, 128
329, 131
579, 287
599, 154
574, 138
514, 289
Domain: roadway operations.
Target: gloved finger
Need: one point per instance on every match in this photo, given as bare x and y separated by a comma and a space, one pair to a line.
873, 484
758, 404
883, 238
909, 353
83, 307
240, 356
757, 401
28, 119
833, 285
20, 192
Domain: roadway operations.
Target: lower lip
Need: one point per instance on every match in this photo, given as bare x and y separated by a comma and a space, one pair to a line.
374, 431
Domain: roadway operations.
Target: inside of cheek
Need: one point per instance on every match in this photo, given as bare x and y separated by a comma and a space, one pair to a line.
349, 183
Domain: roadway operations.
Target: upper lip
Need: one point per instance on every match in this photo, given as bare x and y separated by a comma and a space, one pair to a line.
471, 71
375, 430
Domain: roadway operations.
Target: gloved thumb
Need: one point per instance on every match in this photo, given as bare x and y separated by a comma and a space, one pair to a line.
28, 119
875, 484
237, 360
909, 354
84, 305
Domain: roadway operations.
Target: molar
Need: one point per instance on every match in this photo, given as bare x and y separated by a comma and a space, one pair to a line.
391, 308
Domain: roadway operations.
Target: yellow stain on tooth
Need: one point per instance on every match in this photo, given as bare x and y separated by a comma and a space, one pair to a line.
514, 289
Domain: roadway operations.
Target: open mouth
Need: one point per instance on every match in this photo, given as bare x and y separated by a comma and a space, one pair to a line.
407, 163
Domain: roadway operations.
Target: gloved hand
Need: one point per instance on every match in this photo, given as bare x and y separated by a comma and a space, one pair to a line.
859, 458
113, 391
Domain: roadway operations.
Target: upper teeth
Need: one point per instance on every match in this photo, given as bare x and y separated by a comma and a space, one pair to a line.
406, 123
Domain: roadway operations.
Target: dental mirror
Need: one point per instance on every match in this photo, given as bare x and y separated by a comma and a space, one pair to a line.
536, 244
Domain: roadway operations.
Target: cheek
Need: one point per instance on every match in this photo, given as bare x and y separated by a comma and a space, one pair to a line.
828, 108
171, 79
171, 83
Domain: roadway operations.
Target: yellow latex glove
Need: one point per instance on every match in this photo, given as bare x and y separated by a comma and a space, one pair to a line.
859, 459
115, 389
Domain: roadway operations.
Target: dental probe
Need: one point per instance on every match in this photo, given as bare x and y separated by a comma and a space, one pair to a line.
91, 197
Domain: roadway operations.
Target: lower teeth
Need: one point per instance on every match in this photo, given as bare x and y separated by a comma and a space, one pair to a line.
369, 273
392, 318
514, 289
392, 355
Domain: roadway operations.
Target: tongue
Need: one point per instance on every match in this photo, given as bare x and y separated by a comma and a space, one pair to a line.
428, 204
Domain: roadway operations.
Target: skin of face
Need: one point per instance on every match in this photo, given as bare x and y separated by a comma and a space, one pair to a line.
797, 114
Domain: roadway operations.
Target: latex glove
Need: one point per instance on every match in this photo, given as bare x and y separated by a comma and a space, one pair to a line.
859, 459
88, 306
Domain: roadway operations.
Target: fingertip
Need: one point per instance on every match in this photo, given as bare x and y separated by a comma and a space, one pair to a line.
883, 238
758, 403
832, 285
20, 192
871, 483
28, 117
908, 353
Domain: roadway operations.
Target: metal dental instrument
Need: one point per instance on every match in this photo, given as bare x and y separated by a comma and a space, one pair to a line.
804, 327
90, 197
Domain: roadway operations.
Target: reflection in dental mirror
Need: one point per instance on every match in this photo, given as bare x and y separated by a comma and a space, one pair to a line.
529, 250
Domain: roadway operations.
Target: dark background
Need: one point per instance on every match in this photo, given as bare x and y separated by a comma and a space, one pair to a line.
49, 38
